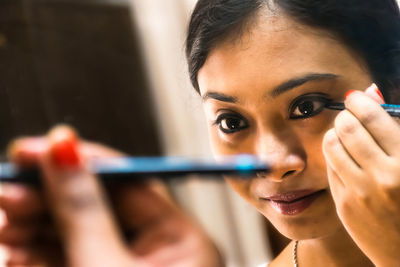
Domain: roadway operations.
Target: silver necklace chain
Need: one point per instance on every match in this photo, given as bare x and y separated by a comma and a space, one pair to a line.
295, 263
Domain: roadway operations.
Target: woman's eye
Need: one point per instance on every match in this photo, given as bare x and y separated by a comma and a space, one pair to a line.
231, 123
307, 106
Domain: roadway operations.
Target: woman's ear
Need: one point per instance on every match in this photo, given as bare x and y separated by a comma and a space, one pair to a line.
374, 93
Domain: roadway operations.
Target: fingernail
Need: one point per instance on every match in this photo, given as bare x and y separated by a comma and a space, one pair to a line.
348, 93
64, 153
378, 92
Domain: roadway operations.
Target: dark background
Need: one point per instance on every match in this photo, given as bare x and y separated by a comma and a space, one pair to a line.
76, 62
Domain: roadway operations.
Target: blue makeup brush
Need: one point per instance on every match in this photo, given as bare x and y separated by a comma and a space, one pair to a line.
136, 169
393, 110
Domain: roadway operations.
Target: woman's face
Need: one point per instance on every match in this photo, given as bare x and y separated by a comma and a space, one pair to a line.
262, 95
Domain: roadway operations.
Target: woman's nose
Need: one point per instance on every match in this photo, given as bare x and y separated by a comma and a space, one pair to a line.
286, 160
284, 168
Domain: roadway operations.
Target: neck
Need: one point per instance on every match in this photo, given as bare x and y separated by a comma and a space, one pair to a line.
337, 249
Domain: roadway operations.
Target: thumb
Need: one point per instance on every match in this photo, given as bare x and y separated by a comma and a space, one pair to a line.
374, 92
77, 201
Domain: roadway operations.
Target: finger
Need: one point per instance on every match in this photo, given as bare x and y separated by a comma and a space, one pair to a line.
142, 205
3, 255
26, 151
16, 233
335, 184
358, 143
78, 204
340, 195
23, 256
375, 94
376, 121
340, 161
20, 202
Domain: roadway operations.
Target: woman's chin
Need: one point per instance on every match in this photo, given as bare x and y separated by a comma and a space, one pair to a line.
309, 232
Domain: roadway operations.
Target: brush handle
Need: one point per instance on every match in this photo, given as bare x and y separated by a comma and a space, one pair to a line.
393, 110
137, 169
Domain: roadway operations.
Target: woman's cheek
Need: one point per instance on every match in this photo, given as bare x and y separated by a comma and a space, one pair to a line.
229, 144
311, 140
218, 146
316, 126
316, 160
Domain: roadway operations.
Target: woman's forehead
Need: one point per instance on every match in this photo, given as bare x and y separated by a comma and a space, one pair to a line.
274, 49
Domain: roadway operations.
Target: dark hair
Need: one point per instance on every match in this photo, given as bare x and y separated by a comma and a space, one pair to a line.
369, 27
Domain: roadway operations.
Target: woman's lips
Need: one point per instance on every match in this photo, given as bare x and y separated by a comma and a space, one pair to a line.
292, 203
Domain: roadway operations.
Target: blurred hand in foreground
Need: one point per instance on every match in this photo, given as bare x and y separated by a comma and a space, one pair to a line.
72, 221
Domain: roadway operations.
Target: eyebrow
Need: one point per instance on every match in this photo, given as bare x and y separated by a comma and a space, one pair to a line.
220, 97
280, 89
296, 82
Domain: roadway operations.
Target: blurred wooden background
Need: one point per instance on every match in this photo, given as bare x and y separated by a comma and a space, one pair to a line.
75, 62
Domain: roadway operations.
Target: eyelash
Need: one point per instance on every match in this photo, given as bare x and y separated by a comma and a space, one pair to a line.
322, 99
225, 116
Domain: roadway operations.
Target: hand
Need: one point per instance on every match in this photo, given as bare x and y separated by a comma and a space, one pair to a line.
363, 161
71, 223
